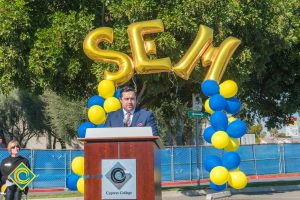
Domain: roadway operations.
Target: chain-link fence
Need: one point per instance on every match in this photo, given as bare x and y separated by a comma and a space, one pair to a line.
178, 163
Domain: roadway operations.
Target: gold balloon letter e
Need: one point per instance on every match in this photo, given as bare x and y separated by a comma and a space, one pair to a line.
140, 48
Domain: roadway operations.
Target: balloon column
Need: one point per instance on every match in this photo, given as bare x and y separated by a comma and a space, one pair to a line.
223, 134
75, 181
99, 105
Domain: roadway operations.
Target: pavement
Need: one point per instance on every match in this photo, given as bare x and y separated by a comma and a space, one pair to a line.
287, 192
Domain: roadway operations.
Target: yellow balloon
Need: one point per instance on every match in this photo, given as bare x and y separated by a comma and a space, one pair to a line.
3, 188
220, 139
96, 115
78, 165
207, 107
92, 50
112, 104
140, 48
233, 145
235, 170
219, 175
188, 62
80, 185
231, 119
237, 179
228, 88
106, 88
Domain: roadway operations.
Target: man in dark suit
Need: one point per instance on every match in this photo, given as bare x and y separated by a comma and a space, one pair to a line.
129, 115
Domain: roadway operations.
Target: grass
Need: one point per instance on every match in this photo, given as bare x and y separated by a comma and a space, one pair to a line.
54, 195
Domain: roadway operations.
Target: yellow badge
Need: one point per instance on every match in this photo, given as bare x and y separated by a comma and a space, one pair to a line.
22, 176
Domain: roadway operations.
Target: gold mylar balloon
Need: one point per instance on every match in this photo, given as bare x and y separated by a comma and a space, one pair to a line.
92, 50
233, 145
228, 89
220, 139
96, 115
188, 62
207, 107
218, 58
140, 48
78, 165
231, 119
80, 185
106, 88
3, 188
111, 104
219, 175
237, 179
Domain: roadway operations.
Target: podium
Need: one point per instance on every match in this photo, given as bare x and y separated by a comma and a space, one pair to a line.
122, 163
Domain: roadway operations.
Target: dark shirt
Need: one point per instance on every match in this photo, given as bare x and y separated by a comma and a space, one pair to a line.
9, 164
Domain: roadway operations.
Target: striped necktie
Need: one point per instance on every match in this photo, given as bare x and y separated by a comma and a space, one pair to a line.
127, 120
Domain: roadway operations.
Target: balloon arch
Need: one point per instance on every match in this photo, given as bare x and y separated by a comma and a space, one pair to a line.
221, 104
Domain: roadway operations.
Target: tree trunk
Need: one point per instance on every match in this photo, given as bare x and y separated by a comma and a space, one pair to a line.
49, 141
62, 143
54, 143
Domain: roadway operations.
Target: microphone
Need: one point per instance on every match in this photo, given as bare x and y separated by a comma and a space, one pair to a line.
125, 122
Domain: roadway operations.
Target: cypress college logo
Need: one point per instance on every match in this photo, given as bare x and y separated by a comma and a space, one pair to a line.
22, 176
118, 175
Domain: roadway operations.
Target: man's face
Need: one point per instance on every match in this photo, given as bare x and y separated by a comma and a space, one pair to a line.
128, 101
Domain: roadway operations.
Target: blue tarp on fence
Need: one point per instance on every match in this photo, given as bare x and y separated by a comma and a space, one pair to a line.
177, 163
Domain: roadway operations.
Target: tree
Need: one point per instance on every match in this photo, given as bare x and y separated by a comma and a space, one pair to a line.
64, 117
257, 130
41, 49
21, 116
274, 132
173, 123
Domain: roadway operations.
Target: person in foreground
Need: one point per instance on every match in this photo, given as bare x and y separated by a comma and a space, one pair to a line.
13, 192
129, 115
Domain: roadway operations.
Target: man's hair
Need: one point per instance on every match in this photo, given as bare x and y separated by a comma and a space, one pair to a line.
127, 89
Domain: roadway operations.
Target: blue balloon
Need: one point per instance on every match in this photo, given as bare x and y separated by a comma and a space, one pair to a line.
217, 102
217, 188
211, 162
208, 133
72, 182
233, 105
210, 88
237, 129
231, 160
96, 100
118, 93
219, 121
100, 125
82, 128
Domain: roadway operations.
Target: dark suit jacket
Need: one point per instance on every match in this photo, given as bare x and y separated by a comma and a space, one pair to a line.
141, 118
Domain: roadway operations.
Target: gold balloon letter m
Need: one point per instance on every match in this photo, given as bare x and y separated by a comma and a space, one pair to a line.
202, 48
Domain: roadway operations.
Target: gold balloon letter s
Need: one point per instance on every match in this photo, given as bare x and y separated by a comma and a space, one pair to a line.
92, 50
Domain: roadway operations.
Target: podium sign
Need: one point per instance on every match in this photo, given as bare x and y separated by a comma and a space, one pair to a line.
118, 179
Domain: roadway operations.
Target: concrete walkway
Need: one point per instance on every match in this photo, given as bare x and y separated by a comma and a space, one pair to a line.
289, 192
